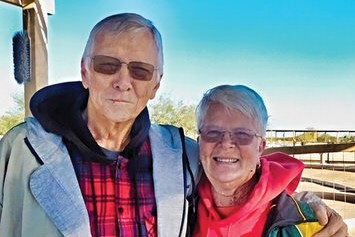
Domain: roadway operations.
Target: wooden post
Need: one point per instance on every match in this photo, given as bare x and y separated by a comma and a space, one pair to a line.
35, 13
35, 23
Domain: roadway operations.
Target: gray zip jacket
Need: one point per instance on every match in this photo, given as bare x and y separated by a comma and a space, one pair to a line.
40, 195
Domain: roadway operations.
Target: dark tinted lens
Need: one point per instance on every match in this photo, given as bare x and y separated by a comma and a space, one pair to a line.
141, 71
106, 65
242, 137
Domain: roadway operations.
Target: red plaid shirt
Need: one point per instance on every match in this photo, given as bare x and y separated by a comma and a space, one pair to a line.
114, 209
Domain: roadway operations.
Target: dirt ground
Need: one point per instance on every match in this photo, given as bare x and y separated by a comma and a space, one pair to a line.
346, 210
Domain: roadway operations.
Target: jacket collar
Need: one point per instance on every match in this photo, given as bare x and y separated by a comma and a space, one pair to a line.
54, 184
168, 179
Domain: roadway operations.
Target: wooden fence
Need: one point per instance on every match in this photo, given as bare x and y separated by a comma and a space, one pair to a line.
330, 164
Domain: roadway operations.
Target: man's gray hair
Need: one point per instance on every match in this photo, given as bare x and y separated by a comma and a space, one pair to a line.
124, 22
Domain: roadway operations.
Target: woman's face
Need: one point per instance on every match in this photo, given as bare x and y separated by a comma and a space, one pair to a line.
230, 161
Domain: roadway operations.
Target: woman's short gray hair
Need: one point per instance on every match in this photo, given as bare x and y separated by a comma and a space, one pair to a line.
123, 22
235, 97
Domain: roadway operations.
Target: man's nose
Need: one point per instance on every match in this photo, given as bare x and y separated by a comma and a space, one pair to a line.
122, 78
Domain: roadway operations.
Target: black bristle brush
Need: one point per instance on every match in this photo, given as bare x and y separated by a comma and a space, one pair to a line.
22, 60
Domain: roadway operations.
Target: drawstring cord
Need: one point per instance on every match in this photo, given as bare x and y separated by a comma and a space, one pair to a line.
186, 166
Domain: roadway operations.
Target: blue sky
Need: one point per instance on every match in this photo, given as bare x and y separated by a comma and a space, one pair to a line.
299, 55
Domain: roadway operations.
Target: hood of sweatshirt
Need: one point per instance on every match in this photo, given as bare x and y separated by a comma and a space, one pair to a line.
59, 109
279, 172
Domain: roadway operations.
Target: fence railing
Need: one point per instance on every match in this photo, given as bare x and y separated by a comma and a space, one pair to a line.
329, 157
321, 142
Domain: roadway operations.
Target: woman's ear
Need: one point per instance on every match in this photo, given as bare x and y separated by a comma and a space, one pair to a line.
262, 146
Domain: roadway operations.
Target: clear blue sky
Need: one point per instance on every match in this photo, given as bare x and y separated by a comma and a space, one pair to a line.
299, 55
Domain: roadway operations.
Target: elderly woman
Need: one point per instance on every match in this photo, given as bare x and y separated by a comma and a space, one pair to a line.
242, 192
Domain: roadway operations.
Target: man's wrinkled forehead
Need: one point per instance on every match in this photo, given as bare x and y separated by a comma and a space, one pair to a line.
132, 34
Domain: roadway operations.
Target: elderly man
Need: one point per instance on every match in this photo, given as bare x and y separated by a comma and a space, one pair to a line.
90, 162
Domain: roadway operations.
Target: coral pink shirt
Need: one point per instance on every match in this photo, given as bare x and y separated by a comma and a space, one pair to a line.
279, 172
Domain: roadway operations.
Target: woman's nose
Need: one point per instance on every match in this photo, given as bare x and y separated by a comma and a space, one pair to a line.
227, 140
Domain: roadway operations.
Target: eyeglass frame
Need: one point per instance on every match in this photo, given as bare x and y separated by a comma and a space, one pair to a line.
222, 132
151, 68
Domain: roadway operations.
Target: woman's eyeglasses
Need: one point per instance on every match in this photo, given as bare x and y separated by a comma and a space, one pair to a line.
239, 136
109, 65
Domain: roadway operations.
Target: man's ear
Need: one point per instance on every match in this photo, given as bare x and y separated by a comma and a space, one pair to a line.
83, 72
156, 87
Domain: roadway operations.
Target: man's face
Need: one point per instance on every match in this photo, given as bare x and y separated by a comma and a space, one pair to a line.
118, 97
226, 162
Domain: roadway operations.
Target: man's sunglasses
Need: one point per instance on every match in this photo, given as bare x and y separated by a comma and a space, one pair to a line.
109, 65
239, 136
